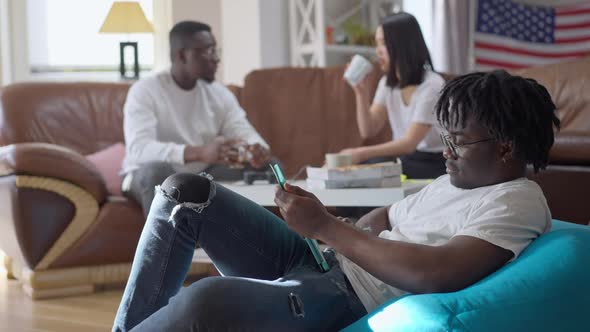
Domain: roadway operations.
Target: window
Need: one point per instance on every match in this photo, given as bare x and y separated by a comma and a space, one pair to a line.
63, 37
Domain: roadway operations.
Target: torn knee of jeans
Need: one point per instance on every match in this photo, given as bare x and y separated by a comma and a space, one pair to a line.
207, 175
174, 194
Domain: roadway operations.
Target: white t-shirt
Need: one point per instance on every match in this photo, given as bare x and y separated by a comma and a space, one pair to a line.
161, 119
420, 109
509, 215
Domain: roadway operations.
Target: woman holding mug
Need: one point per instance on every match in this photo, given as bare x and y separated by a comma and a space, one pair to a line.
405, 97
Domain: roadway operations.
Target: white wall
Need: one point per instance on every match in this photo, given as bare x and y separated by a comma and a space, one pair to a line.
274, 33
162, 24
206, 11
241, 45
255, 35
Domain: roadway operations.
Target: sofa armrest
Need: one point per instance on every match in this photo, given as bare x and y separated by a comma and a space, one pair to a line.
571, 148
52, 161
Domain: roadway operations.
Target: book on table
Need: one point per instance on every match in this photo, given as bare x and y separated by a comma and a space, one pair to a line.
381, 175
388, 182
368, 171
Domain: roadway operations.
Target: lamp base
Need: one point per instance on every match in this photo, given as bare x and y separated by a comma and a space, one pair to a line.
123, 66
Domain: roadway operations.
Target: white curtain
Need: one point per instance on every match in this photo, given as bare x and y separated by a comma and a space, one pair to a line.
13, 41
452, 29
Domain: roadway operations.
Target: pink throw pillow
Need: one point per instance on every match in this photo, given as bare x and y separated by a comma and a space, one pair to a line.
109, 161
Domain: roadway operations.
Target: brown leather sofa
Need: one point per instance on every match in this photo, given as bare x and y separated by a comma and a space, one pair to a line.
65, 234
61, 231
566, 181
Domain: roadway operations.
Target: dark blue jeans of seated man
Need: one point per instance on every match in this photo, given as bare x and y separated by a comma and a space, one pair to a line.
270, 279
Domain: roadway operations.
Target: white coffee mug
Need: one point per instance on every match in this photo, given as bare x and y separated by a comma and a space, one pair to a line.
334, 160
357, 70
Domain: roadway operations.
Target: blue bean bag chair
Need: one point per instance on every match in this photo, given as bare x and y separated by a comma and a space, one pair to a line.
547, 288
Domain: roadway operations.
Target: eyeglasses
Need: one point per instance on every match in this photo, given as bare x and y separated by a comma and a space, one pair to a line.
454, 147
210, 51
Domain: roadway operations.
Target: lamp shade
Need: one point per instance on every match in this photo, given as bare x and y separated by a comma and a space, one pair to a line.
126, 17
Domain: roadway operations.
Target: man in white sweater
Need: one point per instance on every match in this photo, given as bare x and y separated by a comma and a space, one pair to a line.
181, 119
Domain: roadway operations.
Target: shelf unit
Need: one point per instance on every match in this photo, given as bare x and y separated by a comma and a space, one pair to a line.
309, 20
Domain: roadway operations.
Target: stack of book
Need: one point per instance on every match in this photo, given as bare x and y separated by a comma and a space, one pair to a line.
382, 175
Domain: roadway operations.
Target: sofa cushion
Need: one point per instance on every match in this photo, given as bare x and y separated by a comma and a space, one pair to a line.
567, 83
84, 117
109, 161
545, 289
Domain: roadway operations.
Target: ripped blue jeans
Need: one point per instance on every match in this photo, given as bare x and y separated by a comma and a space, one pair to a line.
270, 279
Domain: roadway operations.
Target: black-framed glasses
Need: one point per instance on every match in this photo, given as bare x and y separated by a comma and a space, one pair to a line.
454, 147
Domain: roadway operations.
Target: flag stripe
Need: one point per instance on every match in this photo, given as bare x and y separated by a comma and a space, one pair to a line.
572, 19
498, 64
572, 33
572, 12
572, 40
574, 7
523, 51
572, 26
516, 59
492, 39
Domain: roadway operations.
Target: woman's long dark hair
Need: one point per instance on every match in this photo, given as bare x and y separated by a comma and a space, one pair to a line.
407, 50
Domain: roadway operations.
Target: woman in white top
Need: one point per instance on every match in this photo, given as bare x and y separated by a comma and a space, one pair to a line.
405, 97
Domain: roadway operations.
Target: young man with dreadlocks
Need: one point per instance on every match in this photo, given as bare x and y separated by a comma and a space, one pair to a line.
457, 230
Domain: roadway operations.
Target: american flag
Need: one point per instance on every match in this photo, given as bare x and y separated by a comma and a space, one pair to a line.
513, 35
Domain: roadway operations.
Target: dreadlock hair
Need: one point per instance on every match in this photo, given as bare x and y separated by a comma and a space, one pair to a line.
512, 108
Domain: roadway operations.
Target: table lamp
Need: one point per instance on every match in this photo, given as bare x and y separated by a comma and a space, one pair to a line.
127, 17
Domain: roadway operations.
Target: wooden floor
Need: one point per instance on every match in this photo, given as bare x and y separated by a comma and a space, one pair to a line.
90, 313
